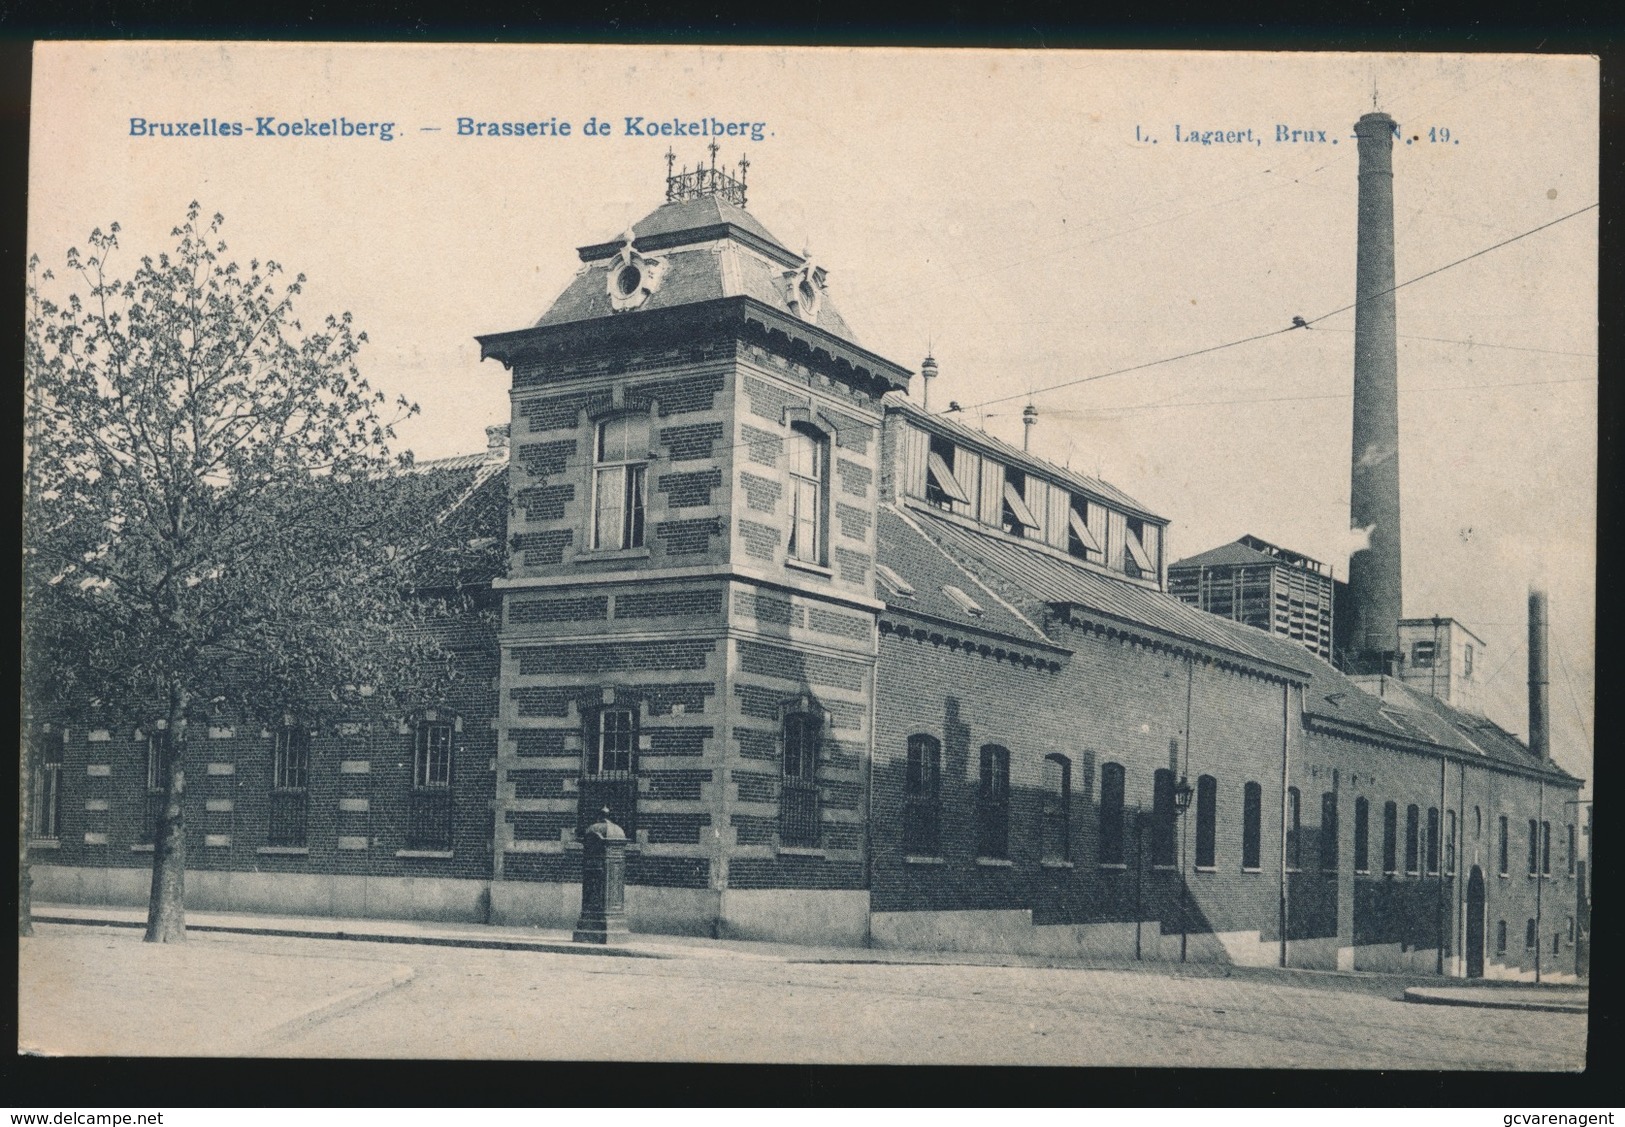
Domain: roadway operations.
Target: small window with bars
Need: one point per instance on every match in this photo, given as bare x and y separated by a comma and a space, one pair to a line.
290, 782
429, 808
45, 813
798, 797
609, 769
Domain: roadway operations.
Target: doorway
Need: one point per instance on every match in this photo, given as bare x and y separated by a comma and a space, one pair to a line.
1475, 923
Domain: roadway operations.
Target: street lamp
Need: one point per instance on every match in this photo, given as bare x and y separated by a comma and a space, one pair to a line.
1182, 802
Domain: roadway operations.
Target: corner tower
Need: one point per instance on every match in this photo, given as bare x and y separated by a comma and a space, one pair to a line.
688, 632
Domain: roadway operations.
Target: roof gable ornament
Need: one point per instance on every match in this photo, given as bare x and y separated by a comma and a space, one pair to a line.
804, 287
705, 180
631, 276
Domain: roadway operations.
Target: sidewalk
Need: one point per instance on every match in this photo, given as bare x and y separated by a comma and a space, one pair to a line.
1505, 996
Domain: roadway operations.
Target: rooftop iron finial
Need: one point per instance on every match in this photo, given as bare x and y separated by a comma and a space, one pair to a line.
705, 180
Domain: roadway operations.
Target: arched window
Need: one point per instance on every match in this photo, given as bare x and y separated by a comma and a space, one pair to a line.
1571, 849
809, 483
1500, 937
1362, 835
1328, 832
1502, 849
1413, 836
798, 799
1294, 824
1207, 821
1433, 841
1545, 849
1390, 838
621, 463
290, 782
993, 804
1450, 842
1478, 822
922, 796
428, 819
1112, 782
1055, 829
1162, 818
1252, 827
1534, 847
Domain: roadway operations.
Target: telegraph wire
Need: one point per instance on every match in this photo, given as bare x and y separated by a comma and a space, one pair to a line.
1287, 328
1573, 697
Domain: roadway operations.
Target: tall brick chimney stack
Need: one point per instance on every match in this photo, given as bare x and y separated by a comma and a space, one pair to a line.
1540, 740
1374, 573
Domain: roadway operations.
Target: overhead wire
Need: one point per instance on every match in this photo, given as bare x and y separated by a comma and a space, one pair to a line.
1288, 328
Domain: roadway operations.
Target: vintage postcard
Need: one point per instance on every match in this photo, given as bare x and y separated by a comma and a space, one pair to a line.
810, 555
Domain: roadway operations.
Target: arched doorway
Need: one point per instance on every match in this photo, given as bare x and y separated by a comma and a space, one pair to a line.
1475, 923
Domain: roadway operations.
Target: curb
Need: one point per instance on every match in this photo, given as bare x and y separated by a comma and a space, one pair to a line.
543, 945
1426, 997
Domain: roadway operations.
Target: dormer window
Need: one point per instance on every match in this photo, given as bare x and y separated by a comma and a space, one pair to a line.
1140, 561
964, 601
942, 488
1081, 541
619, 483
1017, 519
809, 482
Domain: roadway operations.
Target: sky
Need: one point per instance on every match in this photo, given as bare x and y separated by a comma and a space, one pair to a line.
1037, 221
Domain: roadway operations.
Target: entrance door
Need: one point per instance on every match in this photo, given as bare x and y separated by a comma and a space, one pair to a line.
1475, 924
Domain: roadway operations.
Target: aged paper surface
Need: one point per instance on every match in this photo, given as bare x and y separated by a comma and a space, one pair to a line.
1078, 230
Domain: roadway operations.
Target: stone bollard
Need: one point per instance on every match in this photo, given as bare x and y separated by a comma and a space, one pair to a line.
603, 883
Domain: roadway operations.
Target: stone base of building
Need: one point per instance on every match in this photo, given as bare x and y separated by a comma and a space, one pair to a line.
435, 899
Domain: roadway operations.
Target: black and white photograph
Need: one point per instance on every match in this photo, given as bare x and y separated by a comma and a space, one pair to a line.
801, 556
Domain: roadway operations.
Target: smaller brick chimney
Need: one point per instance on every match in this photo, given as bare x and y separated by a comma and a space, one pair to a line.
496, 443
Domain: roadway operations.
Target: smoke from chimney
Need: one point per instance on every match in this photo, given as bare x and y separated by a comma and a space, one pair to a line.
1374, 574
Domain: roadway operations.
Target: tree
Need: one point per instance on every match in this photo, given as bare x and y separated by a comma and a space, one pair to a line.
214, 519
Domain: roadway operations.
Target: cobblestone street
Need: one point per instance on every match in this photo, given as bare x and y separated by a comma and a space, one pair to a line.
101, 990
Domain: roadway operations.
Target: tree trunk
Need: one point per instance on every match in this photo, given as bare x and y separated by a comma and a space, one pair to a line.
166, 907
25, 875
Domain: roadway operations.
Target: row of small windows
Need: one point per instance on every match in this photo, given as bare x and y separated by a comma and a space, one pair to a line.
922, 800
1531, 936
620, 488
961, 480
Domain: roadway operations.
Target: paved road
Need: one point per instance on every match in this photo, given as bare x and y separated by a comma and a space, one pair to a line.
753, 1007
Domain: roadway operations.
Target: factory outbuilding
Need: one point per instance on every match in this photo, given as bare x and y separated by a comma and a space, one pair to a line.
849, 671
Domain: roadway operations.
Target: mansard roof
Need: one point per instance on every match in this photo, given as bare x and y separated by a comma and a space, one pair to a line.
709, 248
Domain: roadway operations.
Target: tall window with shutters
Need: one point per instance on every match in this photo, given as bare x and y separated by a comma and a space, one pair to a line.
620, 470
809, 494
1163, 817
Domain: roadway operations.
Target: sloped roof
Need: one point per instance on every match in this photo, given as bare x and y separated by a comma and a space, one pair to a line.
711, 249
1232, 554
469, 495
960, 432
928, 569
1035, 578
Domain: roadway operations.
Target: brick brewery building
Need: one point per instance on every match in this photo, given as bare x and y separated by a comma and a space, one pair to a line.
849, 671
